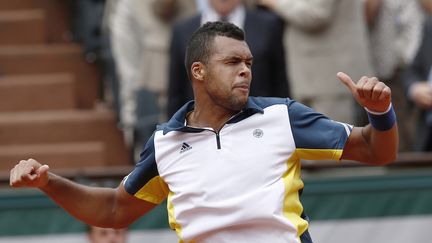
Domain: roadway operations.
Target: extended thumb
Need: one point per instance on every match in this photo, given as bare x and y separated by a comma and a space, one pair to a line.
347, 81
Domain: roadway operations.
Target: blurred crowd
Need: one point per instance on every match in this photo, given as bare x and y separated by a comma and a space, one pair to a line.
298, 47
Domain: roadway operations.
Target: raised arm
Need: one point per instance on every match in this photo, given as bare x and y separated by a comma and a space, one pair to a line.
376, 143
102, 207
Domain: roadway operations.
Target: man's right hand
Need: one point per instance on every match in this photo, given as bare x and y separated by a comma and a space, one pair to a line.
29, 173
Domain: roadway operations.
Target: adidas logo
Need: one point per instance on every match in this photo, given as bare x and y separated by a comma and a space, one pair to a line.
185, 147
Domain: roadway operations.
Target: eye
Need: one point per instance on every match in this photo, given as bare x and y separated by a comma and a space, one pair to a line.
233, 61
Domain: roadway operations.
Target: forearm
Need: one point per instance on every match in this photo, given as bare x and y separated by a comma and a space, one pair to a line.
94, 206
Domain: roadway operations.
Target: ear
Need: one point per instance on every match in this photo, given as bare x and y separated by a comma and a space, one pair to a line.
198, 70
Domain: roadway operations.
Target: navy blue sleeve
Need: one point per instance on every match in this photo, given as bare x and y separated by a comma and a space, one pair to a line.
315, 135
144, 181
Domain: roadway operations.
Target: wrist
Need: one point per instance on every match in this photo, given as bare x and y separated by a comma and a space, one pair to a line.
382, 121
45, 181
379, 112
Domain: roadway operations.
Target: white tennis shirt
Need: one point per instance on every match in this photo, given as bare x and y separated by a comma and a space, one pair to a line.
242, 184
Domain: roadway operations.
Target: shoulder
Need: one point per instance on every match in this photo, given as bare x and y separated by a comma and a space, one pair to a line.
264, 102
293, 105
296, 110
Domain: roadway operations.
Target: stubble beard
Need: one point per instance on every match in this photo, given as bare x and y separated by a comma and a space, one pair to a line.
232, 102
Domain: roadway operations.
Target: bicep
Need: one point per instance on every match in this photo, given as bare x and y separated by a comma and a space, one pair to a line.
129, 208
356, 147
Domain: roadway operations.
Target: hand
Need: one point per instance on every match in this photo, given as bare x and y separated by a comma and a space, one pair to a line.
165, 9
29, 173
368, 92
421, 94
270, 4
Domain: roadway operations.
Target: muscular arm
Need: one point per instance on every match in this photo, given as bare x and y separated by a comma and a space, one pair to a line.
103, 207
367, 144
371, 146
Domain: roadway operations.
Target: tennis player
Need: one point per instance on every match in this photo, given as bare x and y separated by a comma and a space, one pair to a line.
228, 164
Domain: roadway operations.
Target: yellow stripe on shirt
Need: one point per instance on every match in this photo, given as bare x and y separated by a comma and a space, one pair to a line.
154, 191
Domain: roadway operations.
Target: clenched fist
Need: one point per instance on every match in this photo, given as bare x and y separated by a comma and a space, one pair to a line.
369, 92
29, 173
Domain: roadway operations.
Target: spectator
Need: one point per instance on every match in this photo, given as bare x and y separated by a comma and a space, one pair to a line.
106, 235
395, 34
418, 80
140, 32
263, 35
323, 37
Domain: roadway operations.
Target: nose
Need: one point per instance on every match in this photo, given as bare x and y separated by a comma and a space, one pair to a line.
245, 71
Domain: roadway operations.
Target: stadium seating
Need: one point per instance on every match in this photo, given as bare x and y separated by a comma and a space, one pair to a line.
50, 96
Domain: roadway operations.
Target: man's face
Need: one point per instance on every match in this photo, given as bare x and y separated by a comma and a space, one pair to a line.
224, 7
102, 235
228, 73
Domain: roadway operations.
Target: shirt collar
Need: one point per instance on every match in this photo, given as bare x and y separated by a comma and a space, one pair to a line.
178, 120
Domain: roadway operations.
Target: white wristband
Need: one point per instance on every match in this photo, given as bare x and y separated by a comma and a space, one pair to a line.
379, 113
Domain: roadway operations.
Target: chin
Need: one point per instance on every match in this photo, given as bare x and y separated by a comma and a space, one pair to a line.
238, 103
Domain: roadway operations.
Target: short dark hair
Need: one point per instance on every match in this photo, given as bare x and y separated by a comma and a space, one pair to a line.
200, 44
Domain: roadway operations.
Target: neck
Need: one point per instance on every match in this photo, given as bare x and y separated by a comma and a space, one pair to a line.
209, 116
